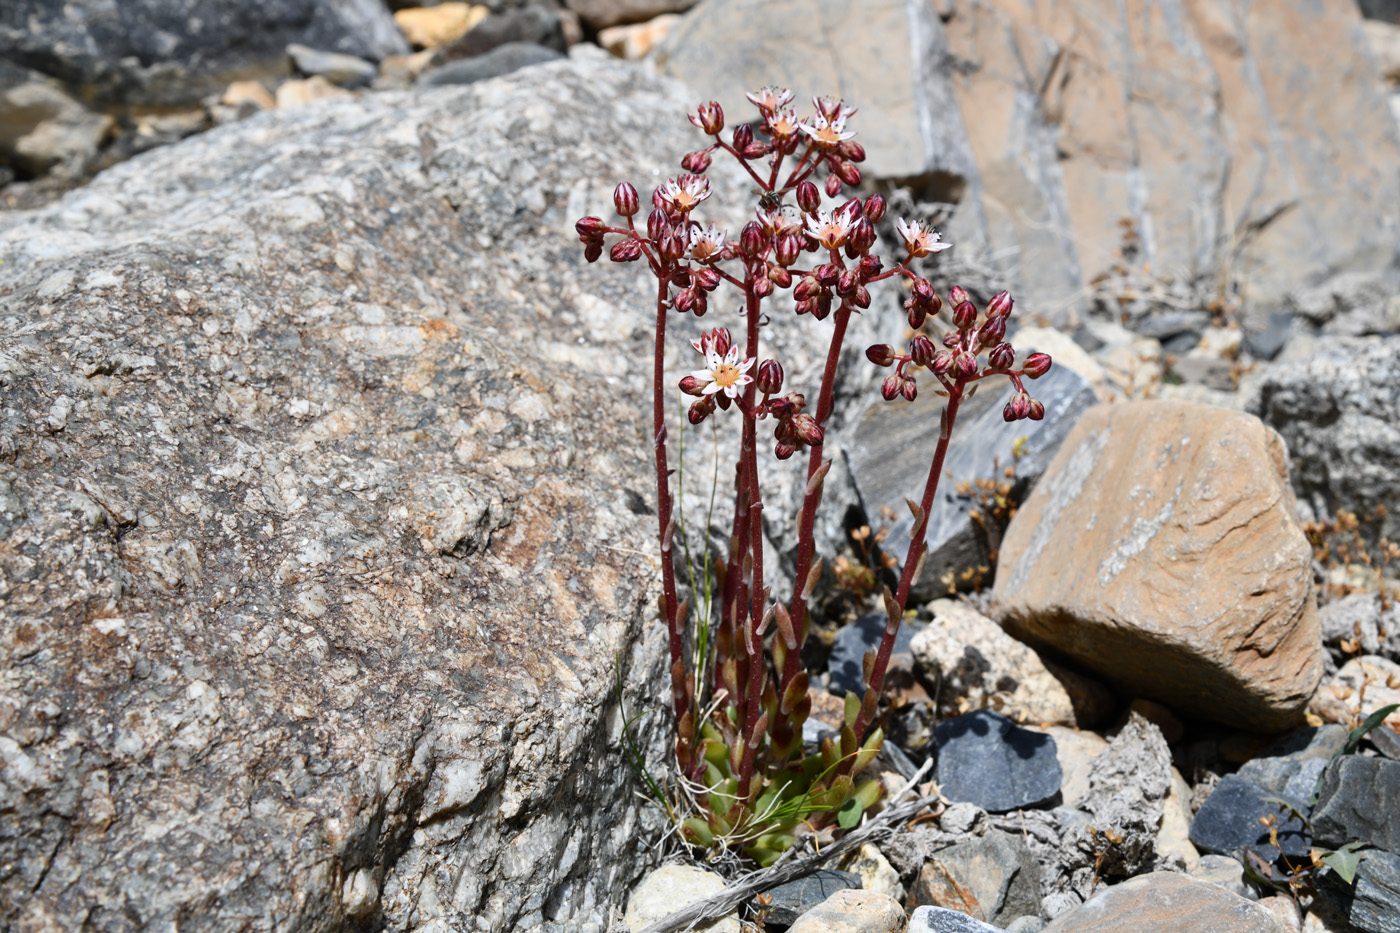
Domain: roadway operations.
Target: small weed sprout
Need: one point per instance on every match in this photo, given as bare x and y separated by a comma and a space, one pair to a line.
740, 698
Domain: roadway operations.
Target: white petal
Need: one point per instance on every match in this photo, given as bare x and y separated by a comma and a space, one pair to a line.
712, 388
746, 365
703, 374
938, 247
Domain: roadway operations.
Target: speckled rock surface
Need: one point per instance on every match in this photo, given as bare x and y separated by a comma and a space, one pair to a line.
317, 531
1161, 551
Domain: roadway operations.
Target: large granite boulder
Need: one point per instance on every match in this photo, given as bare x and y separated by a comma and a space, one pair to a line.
157, 53
1188, 141
323, 522
1161, 551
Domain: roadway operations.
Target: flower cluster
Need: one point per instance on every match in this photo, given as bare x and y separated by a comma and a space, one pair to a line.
741, 699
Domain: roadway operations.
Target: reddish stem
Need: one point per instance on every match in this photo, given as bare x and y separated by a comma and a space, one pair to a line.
679, 693
911, 559
753, 641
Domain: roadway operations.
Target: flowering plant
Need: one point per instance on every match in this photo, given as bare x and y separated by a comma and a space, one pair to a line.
738, 720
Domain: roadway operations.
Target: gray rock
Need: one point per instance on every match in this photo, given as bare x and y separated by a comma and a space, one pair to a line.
1338, 409
1025, 925
1229, 821
1352, 304
1290, 767
795, 898
986, 759
44, 129
1266, 333
316, 432
1226, 872
503, 59
993, 878
154, 54
1166, 325
1359, 801
537, 23
942, 920
1165, 902
1376, 908
845, 663
886, 474
1360, 617
600, 14
1128, 786
335, 67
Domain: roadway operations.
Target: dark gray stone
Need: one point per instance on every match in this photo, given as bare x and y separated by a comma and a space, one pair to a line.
1338, 409
1128, 786
795, 898
942, 920
1001, 872
845, 663
986, 759
1290, 767
537, 24
1227, 872
1359, 802
1376, 907
1268, 334
1211, 372
335, 67
1167, 325
886, 473
503, 59
157, 53
1229, 821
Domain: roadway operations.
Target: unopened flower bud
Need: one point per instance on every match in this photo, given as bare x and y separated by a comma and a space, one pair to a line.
890, 388
625, 199
807, 289
964, 315
743, 136
807, 429
952, 340
833, 186
870, 266
706, 278
779, 276
822, 307
1017, 408
1036, 410
693, 386
881, 354
762, 287
721, 340
751, 240
1001, 357
852, 150
909, 387
656, 225
809, 199
593, 250
590, 229
848, 171
875, 208
626, 251
921, 349
1000, 305
770, 377
827, 274
846, 282
862, 236
942, 362
1036, 365
861, 298
966, 365
923, 292
709, 117
789, 247
916, 314
658, 199
804, 306
696, 162
754, 150
784, 450
700, 409
990, 333
787, 406
957, 295
673, 244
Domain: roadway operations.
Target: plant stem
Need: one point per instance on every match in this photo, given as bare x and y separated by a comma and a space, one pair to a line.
679, 686
911, 561
753, 641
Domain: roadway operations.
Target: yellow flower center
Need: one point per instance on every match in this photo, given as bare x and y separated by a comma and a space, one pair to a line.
725, 375
828, 136
684, 201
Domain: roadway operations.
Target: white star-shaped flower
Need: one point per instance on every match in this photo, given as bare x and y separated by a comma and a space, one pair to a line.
919, 241
770, 99
832, 229
685, 193
705, 244
722, 373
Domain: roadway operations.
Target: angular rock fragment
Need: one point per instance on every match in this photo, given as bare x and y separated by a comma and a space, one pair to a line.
994, 878
852, 912
986, 759
1376, 907
1165, 902
1359, 802
1229, 821
1160, 550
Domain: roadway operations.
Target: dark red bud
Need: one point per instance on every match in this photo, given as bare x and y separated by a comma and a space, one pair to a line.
770, 377
625, 199
822, 308
751, 240
743, 137
762, 287
966, 364
1036, 365
789, 248
1000, 305
881, 354
916, 314
626, 251
658, 200
923, 292
922, 350
862, 236
593, 250
990, 333
779, 276
656, 224
700, 409
722, 340
942, 362
827, 274
952, 340
673, 244
848, 171
809, 199
846, 282
706, 278
875, 208
685, 302
909, 387
870, 266
1001, 357
804, 306
590, 228
890, 388
696, 162
784, 450
807, 289
853, 151
1015, 409
964, 315
833, 186
754, 150
690, 385
957, 295
861, 298
709, 117
807, 429
1036, 410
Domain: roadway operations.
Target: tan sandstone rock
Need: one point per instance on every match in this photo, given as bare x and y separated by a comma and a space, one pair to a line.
1361, 687
853, 911
978, 665
430, 27
1161, 551
668, 889
1165, 902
